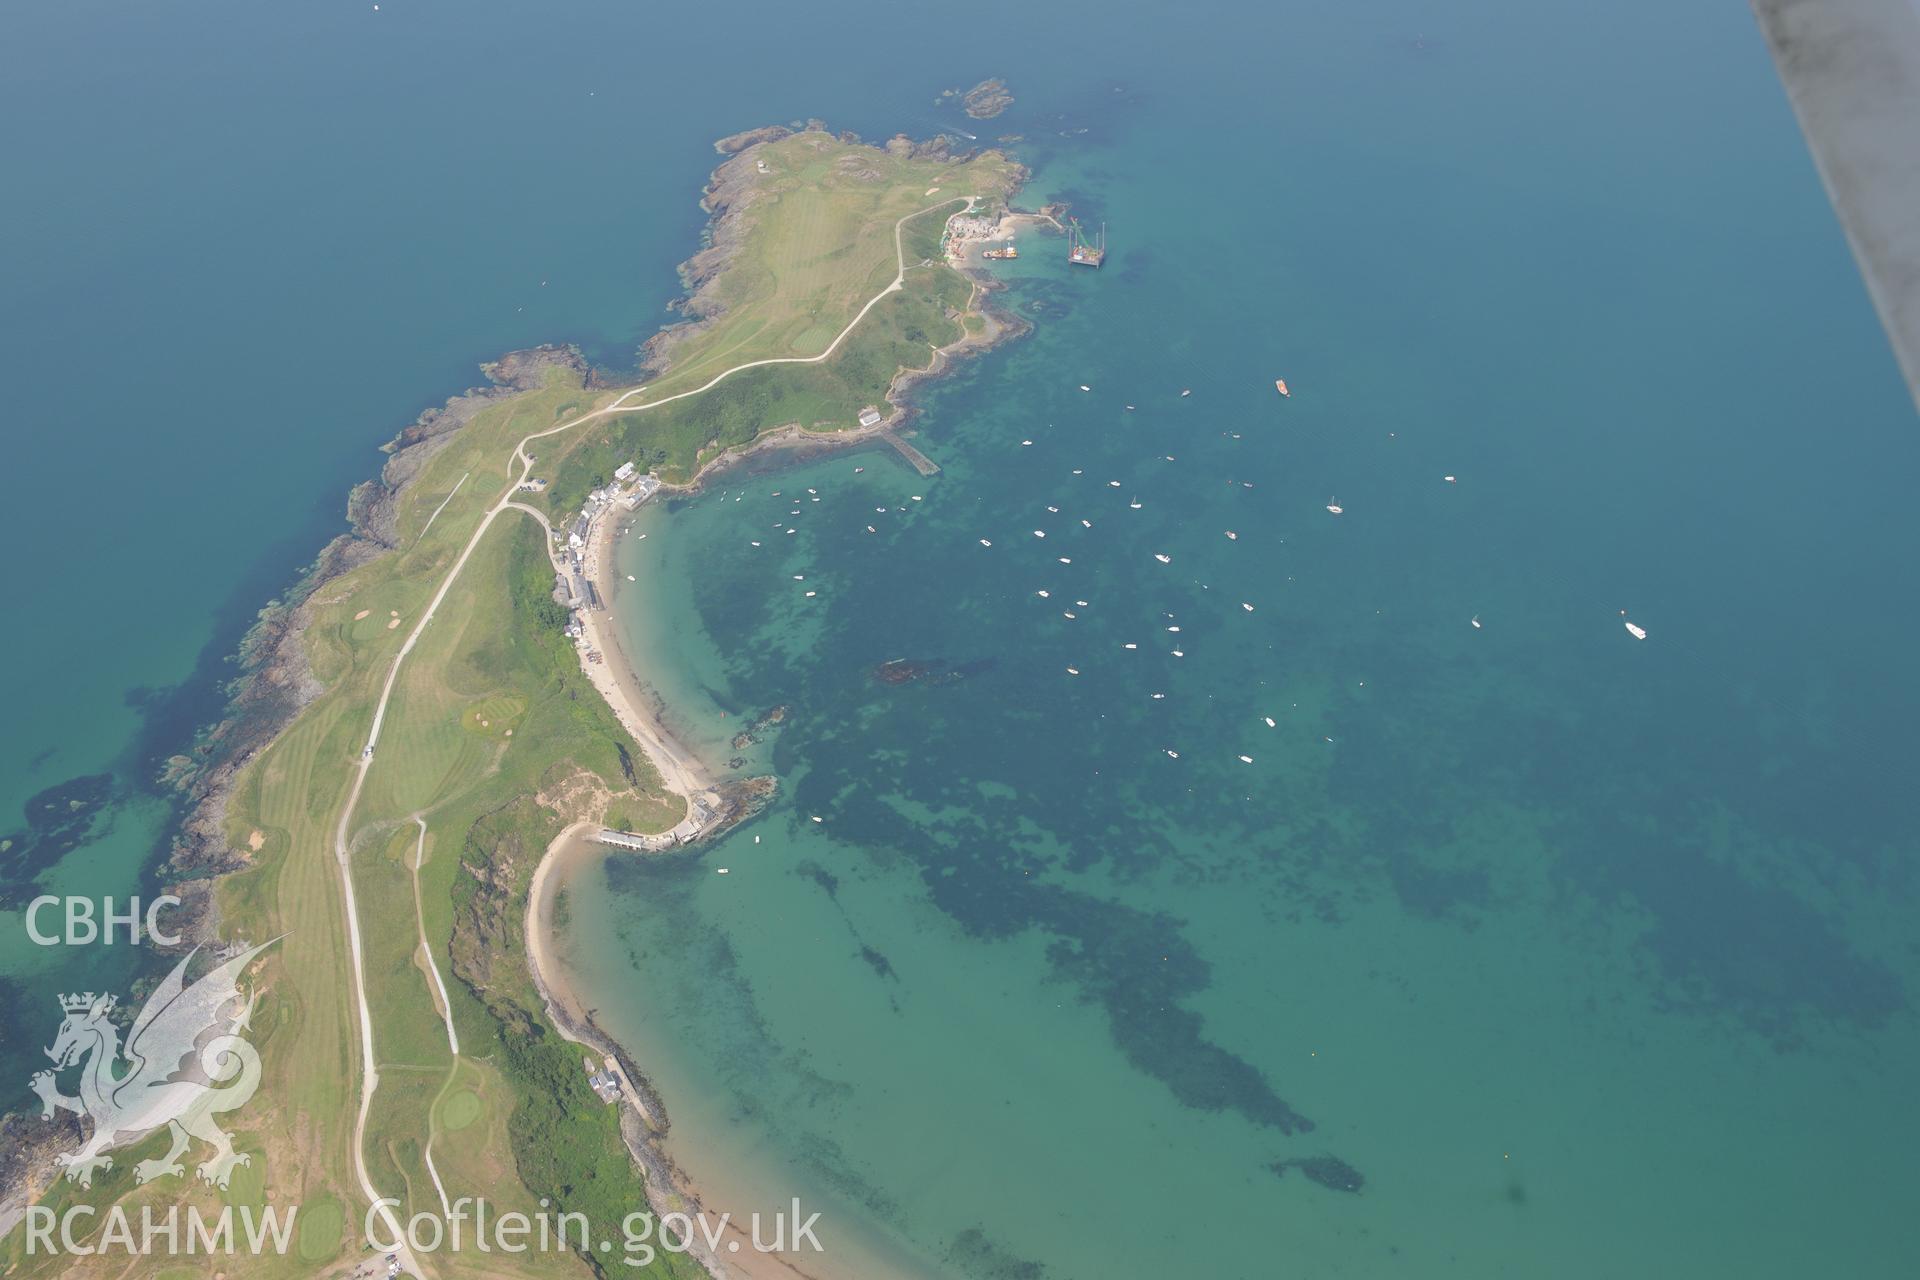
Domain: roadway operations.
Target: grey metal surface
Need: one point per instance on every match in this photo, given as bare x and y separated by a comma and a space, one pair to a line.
1852, 71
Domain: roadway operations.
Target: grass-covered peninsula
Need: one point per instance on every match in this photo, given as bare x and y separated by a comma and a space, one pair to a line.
823, 283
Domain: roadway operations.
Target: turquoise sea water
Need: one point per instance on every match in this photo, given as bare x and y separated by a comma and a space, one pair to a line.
1590, 956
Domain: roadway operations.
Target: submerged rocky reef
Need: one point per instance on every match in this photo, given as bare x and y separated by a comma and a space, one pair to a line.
1329, 1171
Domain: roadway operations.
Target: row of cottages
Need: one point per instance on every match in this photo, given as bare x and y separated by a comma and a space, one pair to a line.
571, 586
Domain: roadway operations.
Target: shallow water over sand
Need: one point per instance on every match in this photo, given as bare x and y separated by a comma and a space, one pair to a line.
1578, 954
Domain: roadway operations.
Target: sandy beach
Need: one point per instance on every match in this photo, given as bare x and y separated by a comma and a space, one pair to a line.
618, 678
570, 850
615, 676
573, 852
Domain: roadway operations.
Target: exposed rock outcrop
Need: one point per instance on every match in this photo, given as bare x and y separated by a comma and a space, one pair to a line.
987, 99
734, 143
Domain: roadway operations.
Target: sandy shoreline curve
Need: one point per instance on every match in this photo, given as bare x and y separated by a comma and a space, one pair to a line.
643, 1118
619, 679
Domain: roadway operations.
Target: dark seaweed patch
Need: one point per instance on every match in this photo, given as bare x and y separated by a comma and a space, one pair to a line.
1726, 942
1726, 934
1136, 965
830, 885
58, 820
881, 965
1330, 1172
811, 870
978, 1255
1436, 892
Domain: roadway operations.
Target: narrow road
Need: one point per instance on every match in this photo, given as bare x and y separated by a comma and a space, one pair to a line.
426, 948
437, 510
369, 1072
446, 1005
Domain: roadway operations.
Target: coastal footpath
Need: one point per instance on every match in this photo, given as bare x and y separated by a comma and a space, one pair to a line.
419, 730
